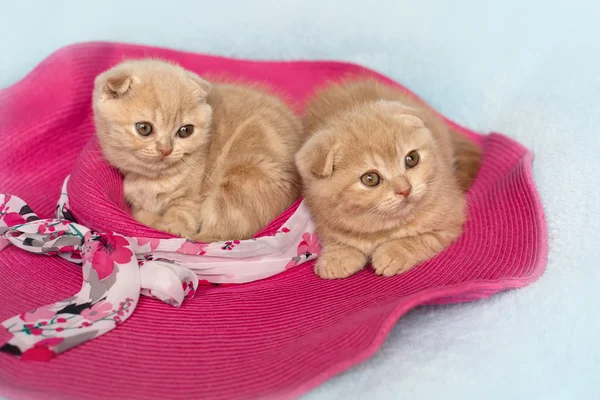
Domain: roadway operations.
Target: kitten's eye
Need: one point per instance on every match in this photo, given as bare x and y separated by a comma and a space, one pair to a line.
412, 159
143, 128
370, 179
185, 131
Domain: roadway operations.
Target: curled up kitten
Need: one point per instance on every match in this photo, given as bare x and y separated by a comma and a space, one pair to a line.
207, 162
383, 177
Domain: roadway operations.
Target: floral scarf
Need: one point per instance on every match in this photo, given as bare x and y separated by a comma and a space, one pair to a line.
117, 269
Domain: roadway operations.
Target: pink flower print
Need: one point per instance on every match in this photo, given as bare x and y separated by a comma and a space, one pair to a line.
55, 235
230, 245
126, 304
192, 248
31, 329
87, 250
40, 353
37, 314
188, 288
309, 245
13, 219
46, 227
153, 242
293, 262
98, 311
111, 249
282, 230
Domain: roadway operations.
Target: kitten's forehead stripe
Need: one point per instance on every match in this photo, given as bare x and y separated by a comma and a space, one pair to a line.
172, 120
400, 151
158, 116
378, 161
381, 165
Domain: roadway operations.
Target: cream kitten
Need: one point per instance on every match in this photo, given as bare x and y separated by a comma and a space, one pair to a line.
207, 162
383, 178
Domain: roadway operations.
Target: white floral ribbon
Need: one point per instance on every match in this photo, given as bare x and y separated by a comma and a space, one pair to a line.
117, 269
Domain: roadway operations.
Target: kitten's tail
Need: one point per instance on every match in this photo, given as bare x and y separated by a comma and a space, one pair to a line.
467, 159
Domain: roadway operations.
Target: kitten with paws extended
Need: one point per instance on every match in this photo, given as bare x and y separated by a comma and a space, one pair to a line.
204, 161
383, 177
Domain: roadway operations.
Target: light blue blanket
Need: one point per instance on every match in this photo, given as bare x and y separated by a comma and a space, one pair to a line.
529, 69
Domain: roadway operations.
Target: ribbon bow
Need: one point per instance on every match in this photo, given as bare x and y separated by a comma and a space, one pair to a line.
104, 302
117, 269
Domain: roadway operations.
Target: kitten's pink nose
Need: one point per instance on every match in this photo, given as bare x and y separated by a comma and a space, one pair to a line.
165, 151
405, 191
401, 186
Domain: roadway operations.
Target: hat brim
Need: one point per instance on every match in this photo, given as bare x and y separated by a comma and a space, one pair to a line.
275, 338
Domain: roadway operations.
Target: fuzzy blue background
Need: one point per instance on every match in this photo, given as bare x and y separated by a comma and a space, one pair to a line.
529, 69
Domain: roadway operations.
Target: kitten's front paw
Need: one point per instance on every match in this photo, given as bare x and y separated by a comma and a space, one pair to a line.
175, 229
390, 261
146, 217
339, 263
203, 238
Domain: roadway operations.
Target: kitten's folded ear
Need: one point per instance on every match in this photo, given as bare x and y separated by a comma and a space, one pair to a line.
317, 155
114, 83
202, 86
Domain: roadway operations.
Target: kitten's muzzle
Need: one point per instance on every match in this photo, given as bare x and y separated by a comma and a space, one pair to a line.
404, 192
401, 186
164, 152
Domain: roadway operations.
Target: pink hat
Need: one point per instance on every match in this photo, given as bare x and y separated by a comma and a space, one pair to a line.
277, 336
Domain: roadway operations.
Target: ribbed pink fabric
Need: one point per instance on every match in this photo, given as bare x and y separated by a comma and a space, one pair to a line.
275, 338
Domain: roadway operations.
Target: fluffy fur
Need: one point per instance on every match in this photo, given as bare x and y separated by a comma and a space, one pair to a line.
414, 213
227, 180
